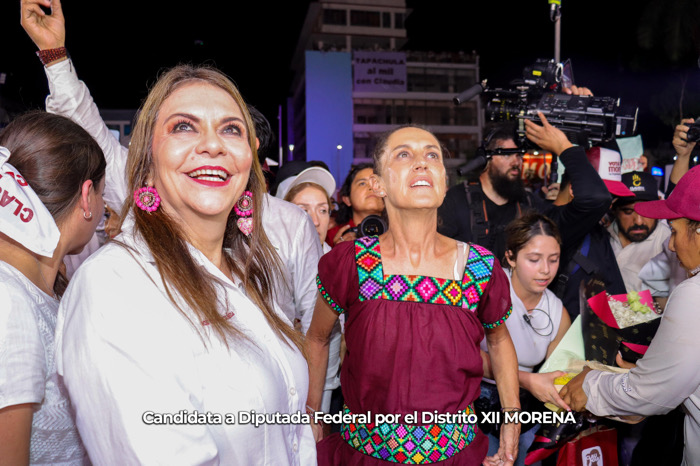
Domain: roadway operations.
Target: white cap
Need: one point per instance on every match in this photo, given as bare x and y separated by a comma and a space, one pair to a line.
317, 175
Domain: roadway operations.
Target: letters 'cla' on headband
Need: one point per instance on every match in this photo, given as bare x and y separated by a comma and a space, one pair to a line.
23, 217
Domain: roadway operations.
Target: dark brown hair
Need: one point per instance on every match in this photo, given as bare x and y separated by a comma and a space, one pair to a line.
55, 156
345, 211
521, 230
251, 259
693, 227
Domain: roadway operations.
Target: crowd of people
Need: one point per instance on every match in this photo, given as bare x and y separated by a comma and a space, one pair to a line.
225, 288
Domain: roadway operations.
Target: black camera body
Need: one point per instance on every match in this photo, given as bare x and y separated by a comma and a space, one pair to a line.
694, 132
586, 120
371, 225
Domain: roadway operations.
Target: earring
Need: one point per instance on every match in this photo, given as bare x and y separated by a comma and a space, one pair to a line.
244, 210
87, 215
147, 198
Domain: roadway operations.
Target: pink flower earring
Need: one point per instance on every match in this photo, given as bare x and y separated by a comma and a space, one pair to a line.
244, 210
147, 199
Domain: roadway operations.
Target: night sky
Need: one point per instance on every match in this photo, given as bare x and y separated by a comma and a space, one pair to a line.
119, 47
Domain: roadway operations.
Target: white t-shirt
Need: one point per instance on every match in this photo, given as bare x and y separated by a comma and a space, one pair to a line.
28, 370
532, 340
128, 355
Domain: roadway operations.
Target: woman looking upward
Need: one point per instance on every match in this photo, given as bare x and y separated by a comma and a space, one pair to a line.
417, 305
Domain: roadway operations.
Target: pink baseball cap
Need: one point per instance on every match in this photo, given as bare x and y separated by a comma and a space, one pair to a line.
684, 201
608, 163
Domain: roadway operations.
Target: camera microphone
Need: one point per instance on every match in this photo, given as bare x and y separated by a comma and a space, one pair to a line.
470, 93
526, 318
477, 162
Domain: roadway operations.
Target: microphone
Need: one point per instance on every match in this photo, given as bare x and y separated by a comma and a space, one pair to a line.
470, 93
477, 162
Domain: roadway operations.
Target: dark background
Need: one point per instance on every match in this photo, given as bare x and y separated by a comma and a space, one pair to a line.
639, 51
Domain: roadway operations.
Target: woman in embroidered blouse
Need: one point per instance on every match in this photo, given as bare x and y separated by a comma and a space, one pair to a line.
416, 310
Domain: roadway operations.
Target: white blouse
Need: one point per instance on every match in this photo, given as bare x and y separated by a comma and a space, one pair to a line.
28, 370
532, 339
128, 355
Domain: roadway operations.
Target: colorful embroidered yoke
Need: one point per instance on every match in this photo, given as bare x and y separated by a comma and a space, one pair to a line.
375, 285
413, 346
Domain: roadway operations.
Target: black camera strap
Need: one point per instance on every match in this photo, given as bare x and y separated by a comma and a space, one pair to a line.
480, 218
477, 211
579, 259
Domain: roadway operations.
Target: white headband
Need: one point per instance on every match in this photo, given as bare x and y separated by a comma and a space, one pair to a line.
23, 217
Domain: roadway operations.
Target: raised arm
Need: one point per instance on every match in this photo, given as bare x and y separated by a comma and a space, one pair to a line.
70, 97
683, 149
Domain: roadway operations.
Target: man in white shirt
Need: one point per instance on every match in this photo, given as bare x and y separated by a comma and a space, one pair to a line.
636, 239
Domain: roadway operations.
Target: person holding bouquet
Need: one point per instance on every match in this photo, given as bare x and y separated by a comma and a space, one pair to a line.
667, 375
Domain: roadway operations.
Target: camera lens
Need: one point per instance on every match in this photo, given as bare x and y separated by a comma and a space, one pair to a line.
372, 225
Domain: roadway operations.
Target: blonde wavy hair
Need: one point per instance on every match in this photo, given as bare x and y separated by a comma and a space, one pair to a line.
251, 259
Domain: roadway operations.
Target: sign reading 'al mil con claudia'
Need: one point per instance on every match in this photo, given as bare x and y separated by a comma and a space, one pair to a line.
379, 71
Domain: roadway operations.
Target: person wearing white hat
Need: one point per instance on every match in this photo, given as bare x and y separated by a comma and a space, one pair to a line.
312, 189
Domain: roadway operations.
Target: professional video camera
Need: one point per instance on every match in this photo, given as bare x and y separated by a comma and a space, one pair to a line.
586, 120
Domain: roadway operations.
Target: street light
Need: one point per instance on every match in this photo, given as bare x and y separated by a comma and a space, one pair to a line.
339, 147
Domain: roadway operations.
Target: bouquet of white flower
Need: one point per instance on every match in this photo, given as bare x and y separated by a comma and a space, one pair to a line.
625, 323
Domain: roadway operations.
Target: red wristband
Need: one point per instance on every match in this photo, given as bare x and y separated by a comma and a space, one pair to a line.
50, 55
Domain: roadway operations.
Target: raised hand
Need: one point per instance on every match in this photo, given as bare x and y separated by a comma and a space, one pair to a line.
47, 31
546, 136
680, 135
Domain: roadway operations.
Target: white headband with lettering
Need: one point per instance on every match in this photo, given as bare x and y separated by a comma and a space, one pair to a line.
23, 217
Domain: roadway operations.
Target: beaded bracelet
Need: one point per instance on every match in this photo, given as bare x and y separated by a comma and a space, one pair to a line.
50, 55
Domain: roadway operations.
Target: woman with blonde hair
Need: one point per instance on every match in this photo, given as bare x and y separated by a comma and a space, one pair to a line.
171, 367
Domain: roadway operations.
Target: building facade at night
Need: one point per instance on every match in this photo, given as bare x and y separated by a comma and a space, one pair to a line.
354, 79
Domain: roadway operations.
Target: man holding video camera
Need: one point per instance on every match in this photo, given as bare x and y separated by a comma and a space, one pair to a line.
479, 212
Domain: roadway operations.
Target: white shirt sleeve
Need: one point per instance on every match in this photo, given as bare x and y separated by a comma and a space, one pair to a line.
70, 97
667, 374
309, 252
22, 356
119, 362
